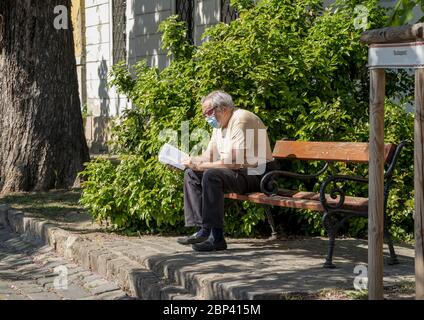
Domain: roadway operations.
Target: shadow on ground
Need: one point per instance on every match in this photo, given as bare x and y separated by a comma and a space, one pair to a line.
266, 269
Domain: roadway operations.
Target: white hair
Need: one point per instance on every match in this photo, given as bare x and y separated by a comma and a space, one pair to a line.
219, 99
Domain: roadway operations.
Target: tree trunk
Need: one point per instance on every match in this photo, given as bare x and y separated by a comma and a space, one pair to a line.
42, 142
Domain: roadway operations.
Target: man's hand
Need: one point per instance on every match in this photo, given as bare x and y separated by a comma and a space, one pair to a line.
191, 162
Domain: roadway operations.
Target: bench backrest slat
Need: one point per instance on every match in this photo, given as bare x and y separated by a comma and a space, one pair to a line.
328, 151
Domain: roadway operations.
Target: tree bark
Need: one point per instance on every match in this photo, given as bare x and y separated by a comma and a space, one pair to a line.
42, 142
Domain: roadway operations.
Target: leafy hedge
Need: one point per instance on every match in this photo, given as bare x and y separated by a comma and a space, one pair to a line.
300, 68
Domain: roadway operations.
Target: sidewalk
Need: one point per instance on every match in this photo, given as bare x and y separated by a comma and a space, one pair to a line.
153, 267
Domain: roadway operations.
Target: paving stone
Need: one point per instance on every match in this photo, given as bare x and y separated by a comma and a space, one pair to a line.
113, 295
53, 264
12, 297
73, 292
104, 288
94, 283
90, 298
79, 275
5, 288
30, 289
9, 275
44, 296
92, 277
46, 280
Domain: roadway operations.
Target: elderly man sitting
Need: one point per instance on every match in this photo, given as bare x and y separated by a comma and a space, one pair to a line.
238, 155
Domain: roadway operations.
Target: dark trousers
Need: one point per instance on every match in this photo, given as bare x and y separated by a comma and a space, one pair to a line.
204, 193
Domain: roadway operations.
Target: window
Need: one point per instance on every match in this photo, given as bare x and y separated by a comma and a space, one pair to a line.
185, 9
119, 49
228, 13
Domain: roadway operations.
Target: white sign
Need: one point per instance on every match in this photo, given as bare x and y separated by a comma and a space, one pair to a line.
396, 55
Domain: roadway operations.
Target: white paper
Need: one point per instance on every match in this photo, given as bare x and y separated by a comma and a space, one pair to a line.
169, 154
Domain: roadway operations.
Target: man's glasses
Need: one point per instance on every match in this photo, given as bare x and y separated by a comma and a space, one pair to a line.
208, 113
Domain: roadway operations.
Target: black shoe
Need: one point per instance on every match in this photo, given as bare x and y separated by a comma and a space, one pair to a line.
210, 245
194, 238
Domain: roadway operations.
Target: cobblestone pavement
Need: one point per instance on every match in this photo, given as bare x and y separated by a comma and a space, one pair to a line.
28, 272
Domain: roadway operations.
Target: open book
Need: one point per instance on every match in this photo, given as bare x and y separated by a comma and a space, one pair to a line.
169, 154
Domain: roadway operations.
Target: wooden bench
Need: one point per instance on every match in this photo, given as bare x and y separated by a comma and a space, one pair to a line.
332, 200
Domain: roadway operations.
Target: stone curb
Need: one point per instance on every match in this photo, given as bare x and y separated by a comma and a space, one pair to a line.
132, 277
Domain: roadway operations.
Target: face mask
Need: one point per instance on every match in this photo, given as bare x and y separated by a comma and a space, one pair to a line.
213, 122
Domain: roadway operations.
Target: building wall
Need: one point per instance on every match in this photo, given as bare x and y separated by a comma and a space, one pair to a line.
102, 102
144, 18
98, 56
207, 13
143, 37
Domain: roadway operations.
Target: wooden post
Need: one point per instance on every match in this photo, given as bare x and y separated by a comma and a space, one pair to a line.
393, 35
419, 184
376, 185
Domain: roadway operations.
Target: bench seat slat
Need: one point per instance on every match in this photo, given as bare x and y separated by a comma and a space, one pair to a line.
299, 200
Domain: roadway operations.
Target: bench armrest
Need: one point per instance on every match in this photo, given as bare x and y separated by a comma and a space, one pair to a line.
269, 184
389, 172
336, 191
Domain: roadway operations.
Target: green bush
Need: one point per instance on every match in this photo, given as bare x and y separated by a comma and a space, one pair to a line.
300, 68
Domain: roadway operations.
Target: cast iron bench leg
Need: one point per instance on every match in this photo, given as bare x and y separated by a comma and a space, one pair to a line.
329, 259
332, 226
270, 222
393, 257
